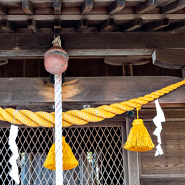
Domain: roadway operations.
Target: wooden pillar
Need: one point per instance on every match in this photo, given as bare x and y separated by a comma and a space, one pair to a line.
127, 69
133, 160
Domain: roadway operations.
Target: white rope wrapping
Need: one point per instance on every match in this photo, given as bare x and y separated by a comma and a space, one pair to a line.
58, 130
58, 123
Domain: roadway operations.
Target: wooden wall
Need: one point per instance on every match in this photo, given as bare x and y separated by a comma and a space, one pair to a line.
80, 68
172, 163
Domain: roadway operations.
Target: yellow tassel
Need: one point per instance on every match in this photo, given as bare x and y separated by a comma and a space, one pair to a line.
139, 139
69, 160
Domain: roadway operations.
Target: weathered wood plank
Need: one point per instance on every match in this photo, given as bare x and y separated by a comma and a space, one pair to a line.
116, 6
162, 164
169, 113
172, 130
173, 6
163, 177
169, 148
95, 90
77, 53
145, 6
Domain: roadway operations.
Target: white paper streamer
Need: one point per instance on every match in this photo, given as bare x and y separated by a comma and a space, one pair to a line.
58, 130
14, 174
157, 121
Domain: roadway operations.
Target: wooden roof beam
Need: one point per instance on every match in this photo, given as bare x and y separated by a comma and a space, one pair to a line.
99, 17
82, 25
7, 26
168, 58
156, 25
87, 6
57, 7
131, 25
173, 7
116, 6
146, 6
39, 91
32, 25
107, 25
27, 7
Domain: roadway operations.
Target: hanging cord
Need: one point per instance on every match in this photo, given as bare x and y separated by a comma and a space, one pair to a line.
58, 122
83, 116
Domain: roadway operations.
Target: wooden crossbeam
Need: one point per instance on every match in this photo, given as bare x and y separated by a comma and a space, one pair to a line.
177, 26
169, 58
172, 7
142, 41
57, 6
116, 6
131, 25
32, 25
107, 25
93, 17
38, 91
146, 6
7, 26
27, 7
155, 25
87, 6
82, 25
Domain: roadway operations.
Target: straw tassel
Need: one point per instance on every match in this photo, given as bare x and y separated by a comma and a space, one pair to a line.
139, 139
69, 160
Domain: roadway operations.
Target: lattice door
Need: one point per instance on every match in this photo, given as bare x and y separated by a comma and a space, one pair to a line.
98, 150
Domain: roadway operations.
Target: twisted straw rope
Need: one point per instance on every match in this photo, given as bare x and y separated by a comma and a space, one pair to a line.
84, 116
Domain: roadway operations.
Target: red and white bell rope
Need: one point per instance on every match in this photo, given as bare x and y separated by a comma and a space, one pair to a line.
58, 130
56, 62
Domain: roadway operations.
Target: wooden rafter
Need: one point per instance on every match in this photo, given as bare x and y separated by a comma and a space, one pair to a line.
116, 6
27, 7
156, 25
172, 7
131, 25
146, 6
32, 25
177, 26
82, 25
7, 26
87, 6
107, 25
